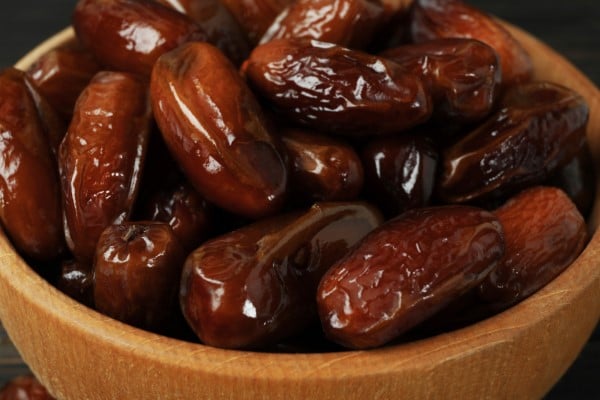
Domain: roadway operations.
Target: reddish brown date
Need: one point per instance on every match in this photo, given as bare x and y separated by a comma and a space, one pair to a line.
544, 234
462, 75
255, 16
322, 168
436, 19
400, 173
30, 203
137, 268
217, 132
348, 23
334, 89
130, 35
220, 27
186, 212
256, 285
539, 128
61, 75
406, 271
101, 158
25, 387
76, 280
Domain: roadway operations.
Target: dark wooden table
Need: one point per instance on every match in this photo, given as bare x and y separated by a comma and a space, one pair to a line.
571, 27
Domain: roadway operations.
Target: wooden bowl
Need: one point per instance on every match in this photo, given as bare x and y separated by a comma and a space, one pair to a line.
80, 354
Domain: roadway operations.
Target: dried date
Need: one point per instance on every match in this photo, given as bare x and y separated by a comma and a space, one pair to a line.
334, 89
217, 132
405, 271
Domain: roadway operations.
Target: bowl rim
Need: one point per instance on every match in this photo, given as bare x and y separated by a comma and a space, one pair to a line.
582, 276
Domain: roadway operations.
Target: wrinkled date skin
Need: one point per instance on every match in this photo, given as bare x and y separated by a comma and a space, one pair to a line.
216, 131
539, 129
322, 168
76, 280
30, 199
220, 27
61, 75
256, 285
406, 271
101, 158
255, 16
348, 23
137, 269
463, 75
400, 173
25, 387
186, 212
130, 35
437, 19
334, 89
544, 234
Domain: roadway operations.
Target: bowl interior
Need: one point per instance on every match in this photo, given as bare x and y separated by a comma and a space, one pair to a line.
78, 353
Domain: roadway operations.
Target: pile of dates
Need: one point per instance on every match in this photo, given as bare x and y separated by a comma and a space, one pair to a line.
292, 175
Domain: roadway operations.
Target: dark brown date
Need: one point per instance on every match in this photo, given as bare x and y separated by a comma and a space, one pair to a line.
256, 285
544, 234
400, 173
406, 271
334, 89
130, 35
255, 16
436, 19
76, 280
25, 387
463, 75
30, 199
61, 75
216, 21
217, 132
539, 129
137, 268
101, 158
186, 212
322, 168
348, 23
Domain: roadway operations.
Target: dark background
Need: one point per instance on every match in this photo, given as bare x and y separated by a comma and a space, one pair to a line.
571, 27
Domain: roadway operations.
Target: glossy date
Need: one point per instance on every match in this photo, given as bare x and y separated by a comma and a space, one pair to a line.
256, 285
406, 271
337, 90
217, 132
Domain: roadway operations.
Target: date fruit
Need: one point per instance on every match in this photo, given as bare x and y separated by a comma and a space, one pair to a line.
255, 16
463, 75
256, 285
220, 27
539, 129
186, 212
30, 199
217, 132
348, 23
405, 271
101, 158
137, 268
337, 90
544, 234
130, 35
437, 19
76, 280
322, 168
61, 75
400, 173
25, 387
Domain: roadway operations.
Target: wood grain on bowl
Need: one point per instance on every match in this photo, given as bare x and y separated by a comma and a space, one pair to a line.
80, 354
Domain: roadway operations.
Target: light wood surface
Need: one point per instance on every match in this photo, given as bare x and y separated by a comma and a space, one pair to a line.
80, 354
